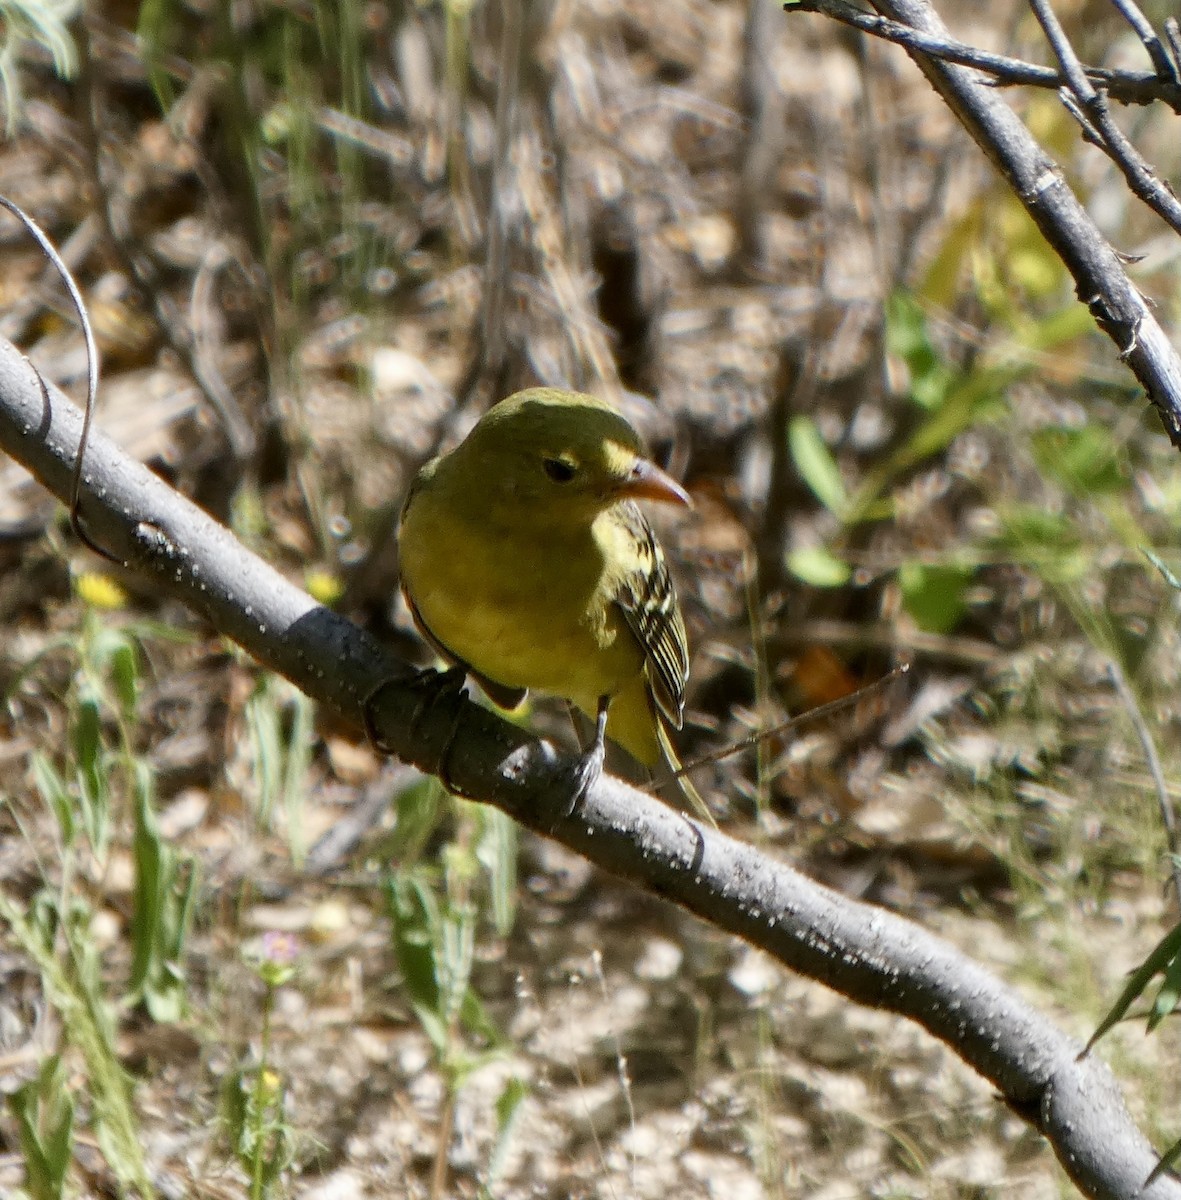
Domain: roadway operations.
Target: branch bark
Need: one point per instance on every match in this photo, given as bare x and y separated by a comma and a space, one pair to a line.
1127, 87
866, 953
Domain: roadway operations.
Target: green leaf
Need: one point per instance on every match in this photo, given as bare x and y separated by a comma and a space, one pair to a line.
477, 1021
125, 675
1167, 1161
434, 1026
159, 22
497, 854
454, 956
44, 1109
87, 733
165, 890
1046, 541
92, 776
509, 1101
42, 24
1159, 961
816, 465
508, 1109
266, 743
415, 916
53, 791
420, 809
934, 595
88, 1024
1166, 1002
931, 377
819, 567
296, 765
1035, 526
1071, 321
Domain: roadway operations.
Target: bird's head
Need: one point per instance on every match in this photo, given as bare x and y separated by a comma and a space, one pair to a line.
565, 452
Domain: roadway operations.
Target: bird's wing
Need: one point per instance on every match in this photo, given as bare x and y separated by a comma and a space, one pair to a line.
499, 693
648, 602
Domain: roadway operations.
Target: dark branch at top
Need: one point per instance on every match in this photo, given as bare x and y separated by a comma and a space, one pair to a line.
1128, 87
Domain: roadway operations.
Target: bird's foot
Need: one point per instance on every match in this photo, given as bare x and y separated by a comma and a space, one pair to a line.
436, 688
589, 765
585, 774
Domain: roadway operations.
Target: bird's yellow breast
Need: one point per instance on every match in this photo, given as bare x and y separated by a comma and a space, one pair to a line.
526, 605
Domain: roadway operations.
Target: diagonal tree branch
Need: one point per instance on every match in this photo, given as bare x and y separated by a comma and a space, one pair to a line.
866, 953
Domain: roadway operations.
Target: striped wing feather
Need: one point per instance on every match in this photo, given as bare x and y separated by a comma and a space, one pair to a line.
648, 602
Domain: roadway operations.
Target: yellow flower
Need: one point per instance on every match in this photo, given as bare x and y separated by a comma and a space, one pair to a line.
100, 591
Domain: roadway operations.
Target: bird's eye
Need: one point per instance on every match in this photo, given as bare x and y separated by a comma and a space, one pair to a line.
560, 470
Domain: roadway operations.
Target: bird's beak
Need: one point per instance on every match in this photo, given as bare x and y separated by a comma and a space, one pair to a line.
648, 482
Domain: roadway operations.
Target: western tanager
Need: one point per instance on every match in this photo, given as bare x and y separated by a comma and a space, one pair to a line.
526, 561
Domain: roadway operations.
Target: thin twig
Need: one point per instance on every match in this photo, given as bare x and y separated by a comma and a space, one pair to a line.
1173, 33
1098, 126
1128, 87
1101, 281
1076, 78
1130, 11
1141, 178
1078, 111
819, 713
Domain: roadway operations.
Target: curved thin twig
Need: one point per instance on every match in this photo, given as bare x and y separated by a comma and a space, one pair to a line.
92, 366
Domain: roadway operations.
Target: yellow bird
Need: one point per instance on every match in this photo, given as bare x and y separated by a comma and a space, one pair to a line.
526, 561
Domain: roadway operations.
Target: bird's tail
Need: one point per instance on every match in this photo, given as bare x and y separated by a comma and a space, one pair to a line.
694, 797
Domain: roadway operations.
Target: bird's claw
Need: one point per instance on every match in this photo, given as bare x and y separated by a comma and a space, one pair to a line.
436, 687
588, 767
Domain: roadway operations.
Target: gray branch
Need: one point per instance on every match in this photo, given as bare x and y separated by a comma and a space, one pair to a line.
866, 953
1128, 87
1038, 182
